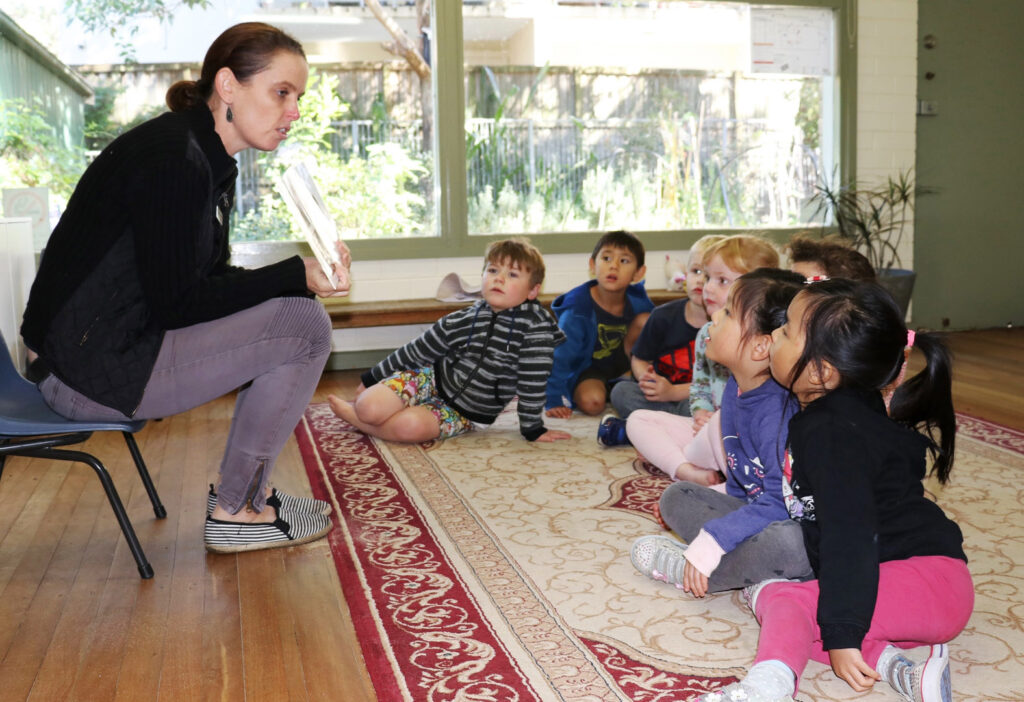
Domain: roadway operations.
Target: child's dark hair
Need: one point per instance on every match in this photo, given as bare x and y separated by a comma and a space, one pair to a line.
621, 239
520, 252
761, 298
837, 257
858, 328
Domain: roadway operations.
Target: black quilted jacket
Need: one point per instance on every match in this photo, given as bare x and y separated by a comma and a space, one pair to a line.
142, 248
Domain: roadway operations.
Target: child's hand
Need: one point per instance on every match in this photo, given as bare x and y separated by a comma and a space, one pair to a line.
694, 582
700, 418
657, 388
848, 664
559, 412
554, 435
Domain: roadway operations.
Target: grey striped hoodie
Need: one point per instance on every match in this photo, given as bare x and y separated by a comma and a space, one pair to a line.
482, 359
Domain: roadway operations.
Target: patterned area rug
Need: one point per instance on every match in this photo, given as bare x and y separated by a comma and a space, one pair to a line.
490, 568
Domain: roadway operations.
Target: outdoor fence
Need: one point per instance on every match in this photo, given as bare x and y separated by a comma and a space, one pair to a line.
751, 170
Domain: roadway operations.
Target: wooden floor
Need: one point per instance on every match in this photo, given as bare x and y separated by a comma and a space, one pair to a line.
77, 623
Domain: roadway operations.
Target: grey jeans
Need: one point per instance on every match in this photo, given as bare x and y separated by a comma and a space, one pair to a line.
775, 552
276, 350
626, 396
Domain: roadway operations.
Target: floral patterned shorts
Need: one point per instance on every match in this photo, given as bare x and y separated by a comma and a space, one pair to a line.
416, 387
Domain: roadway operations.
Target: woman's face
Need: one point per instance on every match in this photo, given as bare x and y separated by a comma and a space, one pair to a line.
265, 106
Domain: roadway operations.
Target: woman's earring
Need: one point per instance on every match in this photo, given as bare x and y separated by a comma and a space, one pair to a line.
230, 115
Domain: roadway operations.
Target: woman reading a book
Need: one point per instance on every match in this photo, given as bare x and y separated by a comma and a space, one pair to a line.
136, 312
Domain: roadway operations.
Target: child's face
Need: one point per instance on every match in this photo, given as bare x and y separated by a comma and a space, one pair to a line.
718, 279
505, 285
615, 269
725, 337
787, 346
808, 269
695, 277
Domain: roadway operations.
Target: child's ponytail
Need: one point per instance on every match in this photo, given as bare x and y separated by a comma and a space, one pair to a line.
925, 402
858, 328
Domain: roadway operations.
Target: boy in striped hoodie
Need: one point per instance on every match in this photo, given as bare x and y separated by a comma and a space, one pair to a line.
468, 366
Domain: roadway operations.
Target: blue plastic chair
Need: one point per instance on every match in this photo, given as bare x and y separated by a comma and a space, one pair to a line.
28, 427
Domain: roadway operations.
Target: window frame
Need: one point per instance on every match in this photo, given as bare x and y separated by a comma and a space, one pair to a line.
454, 240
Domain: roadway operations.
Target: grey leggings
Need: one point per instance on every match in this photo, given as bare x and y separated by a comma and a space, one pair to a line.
775, 552
276, 350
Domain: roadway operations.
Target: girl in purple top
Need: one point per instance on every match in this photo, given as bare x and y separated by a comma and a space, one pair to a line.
738, 531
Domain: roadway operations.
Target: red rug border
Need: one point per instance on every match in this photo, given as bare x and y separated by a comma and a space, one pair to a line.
1014, 441
374, 656
389, 683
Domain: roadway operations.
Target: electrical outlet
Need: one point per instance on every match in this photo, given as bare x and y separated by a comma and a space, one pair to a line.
927, 108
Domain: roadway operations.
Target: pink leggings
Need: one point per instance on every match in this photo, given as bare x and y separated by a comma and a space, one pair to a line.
666, 440
921, 601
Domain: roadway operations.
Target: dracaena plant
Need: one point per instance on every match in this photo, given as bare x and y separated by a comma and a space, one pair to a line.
872, 219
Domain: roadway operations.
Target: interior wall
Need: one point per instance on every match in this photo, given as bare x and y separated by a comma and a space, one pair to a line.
886, 96
969, 246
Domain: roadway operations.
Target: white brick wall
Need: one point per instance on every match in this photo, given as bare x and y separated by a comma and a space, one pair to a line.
887, 95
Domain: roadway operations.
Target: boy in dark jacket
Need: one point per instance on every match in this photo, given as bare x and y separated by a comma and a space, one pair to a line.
470, 363
601, 320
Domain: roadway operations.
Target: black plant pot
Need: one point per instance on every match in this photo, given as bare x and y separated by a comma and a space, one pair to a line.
899, 282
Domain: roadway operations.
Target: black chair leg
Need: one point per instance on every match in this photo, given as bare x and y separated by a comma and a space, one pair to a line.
145, 569
154, 498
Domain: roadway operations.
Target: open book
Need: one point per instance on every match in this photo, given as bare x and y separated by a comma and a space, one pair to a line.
303, 198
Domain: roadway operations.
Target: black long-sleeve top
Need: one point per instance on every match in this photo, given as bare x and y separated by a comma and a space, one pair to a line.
143, 248
858, 475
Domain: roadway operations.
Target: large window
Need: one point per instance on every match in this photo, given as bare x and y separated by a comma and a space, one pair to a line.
564, 118
684, 115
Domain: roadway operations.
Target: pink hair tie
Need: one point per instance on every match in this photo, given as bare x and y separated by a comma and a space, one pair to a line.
911, 335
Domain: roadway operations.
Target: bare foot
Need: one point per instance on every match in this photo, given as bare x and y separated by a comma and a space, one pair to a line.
698, 475
342, 408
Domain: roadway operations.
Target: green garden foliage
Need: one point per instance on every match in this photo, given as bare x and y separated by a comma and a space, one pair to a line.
375, 194
31, 154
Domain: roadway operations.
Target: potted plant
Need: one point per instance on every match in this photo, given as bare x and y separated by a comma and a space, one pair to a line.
873, 221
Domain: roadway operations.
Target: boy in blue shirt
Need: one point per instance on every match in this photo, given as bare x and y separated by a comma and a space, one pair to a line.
601, 319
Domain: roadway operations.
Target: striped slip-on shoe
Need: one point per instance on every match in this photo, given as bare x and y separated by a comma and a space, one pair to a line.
282, 502
290, 529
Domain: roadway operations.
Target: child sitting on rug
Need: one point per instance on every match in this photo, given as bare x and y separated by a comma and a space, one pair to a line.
831, 257
601, 319
469, 365
742, 534
662, 358
891, 568
822, 259
667, 440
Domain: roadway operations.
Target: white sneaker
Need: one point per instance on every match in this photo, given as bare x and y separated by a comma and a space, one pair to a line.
927, 681
750, 592
659, 558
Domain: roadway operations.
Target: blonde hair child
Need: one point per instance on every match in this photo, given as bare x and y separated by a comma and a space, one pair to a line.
674, 446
